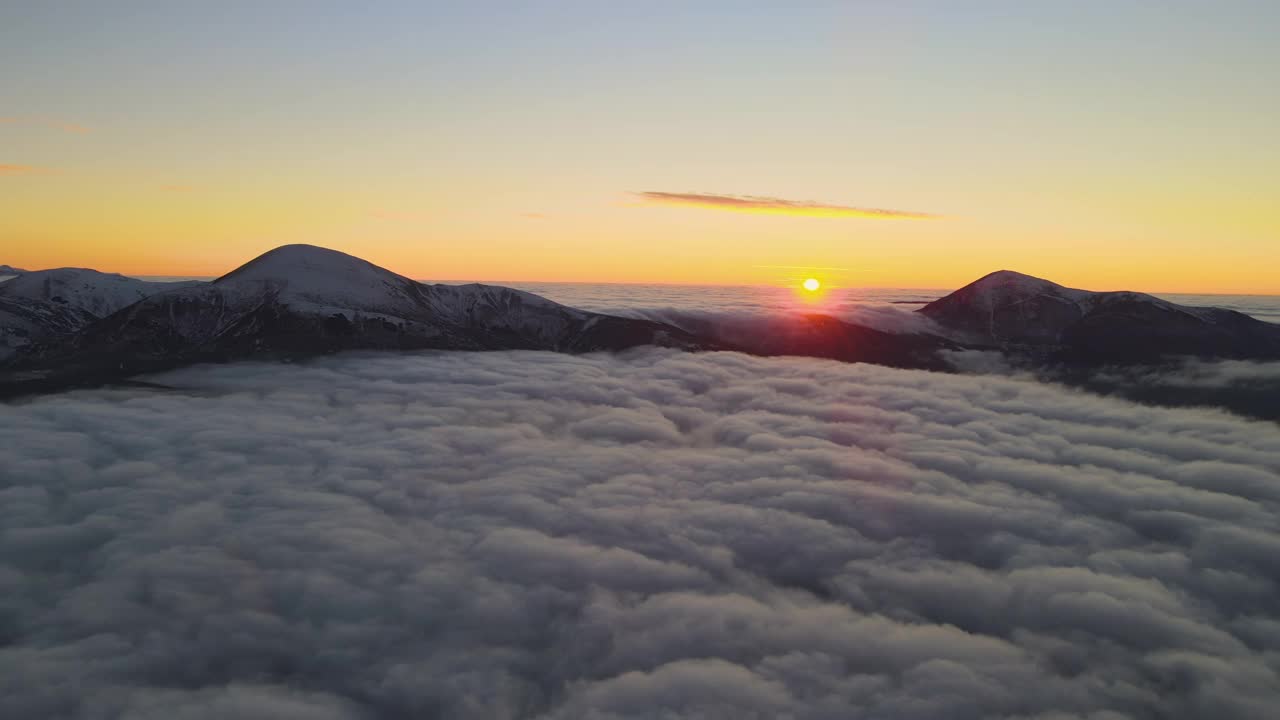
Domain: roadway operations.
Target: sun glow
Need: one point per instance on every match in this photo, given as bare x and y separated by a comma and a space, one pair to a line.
811, 284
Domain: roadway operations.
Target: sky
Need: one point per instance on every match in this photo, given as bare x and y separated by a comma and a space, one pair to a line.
1105, 145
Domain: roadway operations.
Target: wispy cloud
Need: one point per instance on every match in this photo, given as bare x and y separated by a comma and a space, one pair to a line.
22, 170
775, 206
44, 122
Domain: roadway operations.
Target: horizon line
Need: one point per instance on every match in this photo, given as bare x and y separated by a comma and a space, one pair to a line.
510, 281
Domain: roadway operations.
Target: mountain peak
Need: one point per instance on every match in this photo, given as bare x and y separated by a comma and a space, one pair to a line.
1013, 278
297, 261
1010, 285
321, 277
1005, 273
1010, 307
1006, 304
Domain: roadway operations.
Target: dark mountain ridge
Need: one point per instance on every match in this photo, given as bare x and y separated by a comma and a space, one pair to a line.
301, 300
297, 301
1019, 313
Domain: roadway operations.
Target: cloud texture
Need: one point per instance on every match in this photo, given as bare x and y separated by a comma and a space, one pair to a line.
774, 206
1245, 387
653, 535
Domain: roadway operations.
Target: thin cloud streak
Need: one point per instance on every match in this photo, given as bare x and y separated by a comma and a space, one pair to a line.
775, 206
22, 170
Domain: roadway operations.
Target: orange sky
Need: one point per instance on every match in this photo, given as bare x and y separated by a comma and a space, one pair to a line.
913, 147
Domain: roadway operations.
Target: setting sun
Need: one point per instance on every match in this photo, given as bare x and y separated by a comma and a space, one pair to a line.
811, 284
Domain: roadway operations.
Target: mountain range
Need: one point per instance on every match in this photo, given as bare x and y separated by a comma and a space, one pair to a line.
68, 327
38, 305
1015, 312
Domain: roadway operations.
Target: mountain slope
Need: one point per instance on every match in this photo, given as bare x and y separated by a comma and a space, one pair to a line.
821, 336
97, 293
40, 305
1011, 310
10, 270
24, 321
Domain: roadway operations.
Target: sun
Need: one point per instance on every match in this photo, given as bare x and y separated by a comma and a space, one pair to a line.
811, 284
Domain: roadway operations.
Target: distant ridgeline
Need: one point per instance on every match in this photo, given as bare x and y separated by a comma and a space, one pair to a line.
73, 327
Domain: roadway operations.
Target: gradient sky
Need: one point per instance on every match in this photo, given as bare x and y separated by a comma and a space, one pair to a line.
1099, 144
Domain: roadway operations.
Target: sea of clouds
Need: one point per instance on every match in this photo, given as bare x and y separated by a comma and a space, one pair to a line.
650, 535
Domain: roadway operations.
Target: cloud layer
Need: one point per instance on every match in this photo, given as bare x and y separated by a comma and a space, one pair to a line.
775, 206
652, 535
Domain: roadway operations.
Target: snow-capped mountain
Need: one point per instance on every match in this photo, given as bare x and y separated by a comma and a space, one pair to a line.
318, 282
10, 270
97, 293
25, 321
35, 306
300, 300
1008, 309
302, 294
